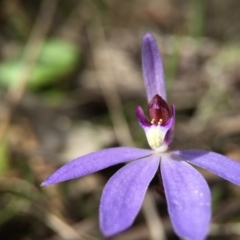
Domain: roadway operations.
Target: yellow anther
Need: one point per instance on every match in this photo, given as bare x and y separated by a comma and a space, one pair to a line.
160, 121
152, 121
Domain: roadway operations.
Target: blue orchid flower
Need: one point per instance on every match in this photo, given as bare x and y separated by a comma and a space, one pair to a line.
186, 191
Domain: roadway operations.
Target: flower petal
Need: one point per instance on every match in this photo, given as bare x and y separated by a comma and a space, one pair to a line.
152, 68
94, 162
170, 133
188, 198
124, 193
143, 122
222, 166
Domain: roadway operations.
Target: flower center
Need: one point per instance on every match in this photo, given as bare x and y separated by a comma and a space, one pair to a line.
158, 111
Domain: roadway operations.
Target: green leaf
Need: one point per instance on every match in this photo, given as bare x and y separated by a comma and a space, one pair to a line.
57, 59
4, 157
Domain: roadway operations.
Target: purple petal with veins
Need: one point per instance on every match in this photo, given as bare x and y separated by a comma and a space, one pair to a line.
94, 162
152, 68
143, 122
170, 134
188, 198
222, 166
124, 193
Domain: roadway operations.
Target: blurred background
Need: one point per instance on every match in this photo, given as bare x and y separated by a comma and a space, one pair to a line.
70, 79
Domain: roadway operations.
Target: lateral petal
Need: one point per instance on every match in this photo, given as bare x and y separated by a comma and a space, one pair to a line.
143, 122
124, 193
221, 165
188, 198
94, 162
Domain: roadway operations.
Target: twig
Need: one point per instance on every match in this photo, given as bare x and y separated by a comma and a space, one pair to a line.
61, 228
109, 89
154, 223
225, 229
81, 228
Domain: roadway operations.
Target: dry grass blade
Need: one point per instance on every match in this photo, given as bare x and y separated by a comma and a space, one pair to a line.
33, 47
